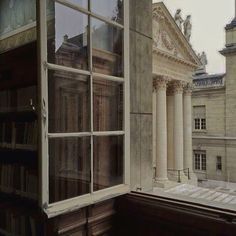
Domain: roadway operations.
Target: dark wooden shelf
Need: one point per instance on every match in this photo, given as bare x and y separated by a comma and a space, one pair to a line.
19, 156
27, 205
20, 116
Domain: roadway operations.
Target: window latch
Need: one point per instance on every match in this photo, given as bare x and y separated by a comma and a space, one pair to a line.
44, 113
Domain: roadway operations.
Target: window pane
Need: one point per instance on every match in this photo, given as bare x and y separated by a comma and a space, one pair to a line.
69, 102
81, 3
112, 9
197, 161
203, 161
16, 14
197, 123
68, 38
107, 105
107, 43
69, 168
108, 161
203, 123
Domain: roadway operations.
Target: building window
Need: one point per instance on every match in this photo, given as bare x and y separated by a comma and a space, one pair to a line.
197, 123
199, 115
219, 163
203, 123
200, 161
86, 99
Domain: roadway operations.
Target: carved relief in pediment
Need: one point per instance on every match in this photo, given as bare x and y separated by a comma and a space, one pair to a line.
168, 40
161, 35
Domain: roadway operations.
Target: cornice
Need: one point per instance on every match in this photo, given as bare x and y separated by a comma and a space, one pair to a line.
174, 58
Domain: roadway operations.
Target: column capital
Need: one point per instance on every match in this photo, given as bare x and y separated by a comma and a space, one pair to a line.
188, 89
178, 87
170, 90
160, 82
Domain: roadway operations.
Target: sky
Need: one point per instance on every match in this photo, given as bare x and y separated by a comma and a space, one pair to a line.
209, 17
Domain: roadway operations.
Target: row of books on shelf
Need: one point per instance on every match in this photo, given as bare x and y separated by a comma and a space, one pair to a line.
14, 222
18, 99
18, 135
19, 180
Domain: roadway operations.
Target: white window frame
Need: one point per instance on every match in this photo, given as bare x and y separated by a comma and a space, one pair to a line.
201, 122
200, 161
80, 201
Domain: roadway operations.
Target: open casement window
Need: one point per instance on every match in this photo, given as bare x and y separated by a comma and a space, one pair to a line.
84, 79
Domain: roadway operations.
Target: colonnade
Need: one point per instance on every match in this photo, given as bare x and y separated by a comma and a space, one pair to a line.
172, 126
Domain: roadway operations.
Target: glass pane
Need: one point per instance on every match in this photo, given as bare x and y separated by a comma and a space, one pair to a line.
15, 17
108, 161
68, 38
112, 9
107, 105
69, 102
69, 168
107, 43
16, 14
81, 3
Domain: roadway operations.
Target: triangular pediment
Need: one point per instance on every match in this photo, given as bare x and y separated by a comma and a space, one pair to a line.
168, 39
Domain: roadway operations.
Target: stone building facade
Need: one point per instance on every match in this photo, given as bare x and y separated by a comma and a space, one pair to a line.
214, 118
174, 62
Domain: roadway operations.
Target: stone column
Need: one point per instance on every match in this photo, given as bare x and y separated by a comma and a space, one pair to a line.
161, 130
188, 163
170, 128
178, 125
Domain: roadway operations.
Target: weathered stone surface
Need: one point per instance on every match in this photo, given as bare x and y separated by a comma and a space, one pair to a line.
141, 17
135, 151
140, 73
141, 94
146, 152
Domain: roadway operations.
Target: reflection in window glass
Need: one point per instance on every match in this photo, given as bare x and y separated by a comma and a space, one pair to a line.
107, 43
68, 38
69, 103
16, 14
107, 105
81, 3
111, 9
108, 162
69, 168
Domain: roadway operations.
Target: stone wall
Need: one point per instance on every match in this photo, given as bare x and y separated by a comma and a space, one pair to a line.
214, 100
141, 94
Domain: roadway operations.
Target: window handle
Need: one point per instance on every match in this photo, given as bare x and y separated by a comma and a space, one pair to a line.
44, 113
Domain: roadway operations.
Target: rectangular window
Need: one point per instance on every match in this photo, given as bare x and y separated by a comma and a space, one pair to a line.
199, 116
200, 161
197, 123
203, 123
218, 163
197, 161
84, 100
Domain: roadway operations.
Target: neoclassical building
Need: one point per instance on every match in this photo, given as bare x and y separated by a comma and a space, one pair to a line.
214, 118
174, 62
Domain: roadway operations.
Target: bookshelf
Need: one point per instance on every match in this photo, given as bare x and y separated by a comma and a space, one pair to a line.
19, 212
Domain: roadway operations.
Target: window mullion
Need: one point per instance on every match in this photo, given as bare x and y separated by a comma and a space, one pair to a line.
126, 94
91, 95
43, 102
